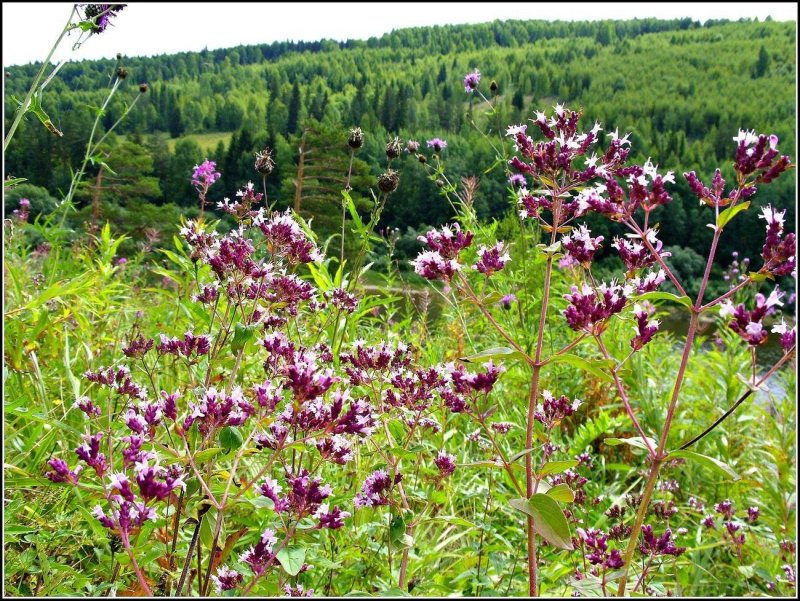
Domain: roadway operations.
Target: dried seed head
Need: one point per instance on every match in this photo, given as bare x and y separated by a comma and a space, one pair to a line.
393, 148
356, 139
388, 182
264, 162
122, 72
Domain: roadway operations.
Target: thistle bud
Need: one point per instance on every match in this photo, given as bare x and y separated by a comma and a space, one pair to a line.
393, 148
493, 86
388, 182
264, 162
143, 87
356, 139
421, 158
122, 72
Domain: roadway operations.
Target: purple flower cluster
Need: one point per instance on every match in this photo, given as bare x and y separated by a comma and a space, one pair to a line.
595, 545
118, 380
60, 472
437, 144
553, 410
226, 579
260, 556
713, 197
779, 254
243, 207
286, 239
491, 260
446, 463
636, 255
215, 409
579, 247
589, 309
748, 323
654, 546
753, 155
471, 81
645, 327
205, 175
191, 344
441, 261
376, 489
562, 146
23, 212
788, 335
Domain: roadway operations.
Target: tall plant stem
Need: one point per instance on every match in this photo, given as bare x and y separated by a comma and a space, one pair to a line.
20, 112
655, 467
532, 401
142, 582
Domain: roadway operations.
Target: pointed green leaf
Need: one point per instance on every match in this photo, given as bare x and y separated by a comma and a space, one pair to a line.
595, 367
561, 492
556, 467
656, 295
497, 352
730, 213
292, 559
548, 519
634, 441
230, 438
709, 462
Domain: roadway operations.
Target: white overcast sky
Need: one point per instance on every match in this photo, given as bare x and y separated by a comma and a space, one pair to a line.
146, 29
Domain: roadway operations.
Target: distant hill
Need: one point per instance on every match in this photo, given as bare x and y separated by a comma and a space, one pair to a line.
682, 89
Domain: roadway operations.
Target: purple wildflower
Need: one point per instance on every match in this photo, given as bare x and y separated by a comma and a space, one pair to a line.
645, 328
260, 556
661, 545
60, 471
471, 81
446, 463
226, 579
437, 144
331, 519
491, 260
375, 490
205, 175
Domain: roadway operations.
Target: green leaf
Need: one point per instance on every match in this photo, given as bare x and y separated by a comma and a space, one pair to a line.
681, 300
556, 467
548, 519
561, 492
760, 277
593, 366
242, 335
292, 559
634, 441
519, 455
207, 454
261, 502
230, 438
730, 213
709, 462
8, 183
493, 353
397, 529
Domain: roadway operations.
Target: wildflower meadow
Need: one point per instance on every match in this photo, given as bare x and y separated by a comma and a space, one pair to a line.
244, 406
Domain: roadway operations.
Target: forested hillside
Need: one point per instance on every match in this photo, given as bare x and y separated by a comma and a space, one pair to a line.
682, 90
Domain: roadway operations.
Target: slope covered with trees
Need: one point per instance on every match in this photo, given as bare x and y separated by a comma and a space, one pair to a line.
682, 90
